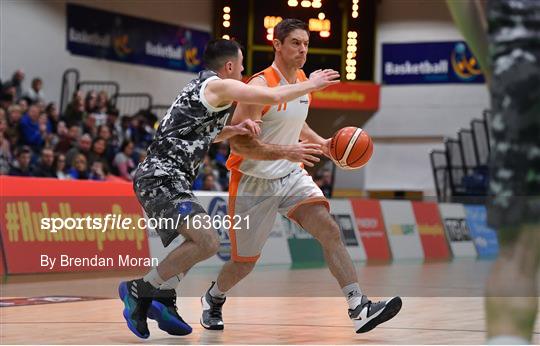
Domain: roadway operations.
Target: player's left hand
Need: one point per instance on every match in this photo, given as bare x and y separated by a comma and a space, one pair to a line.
325, 147
248, 127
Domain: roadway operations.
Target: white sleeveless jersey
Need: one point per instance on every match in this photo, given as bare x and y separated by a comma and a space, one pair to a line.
281, 124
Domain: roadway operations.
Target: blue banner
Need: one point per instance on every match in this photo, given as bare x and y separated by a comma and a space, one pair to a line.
484, 237
430, 62
117, 37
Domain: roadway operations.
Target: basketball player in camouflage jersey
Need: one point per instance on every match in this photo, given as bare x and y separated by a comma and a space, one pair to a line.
508, 48
163, 181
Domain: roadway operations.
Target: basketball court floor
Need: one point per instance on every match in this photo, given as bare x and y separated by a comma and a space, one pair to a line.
442, 304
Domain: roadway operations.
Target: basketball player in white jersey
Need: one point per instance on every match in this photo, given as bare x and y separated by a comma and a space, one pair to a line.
266, 179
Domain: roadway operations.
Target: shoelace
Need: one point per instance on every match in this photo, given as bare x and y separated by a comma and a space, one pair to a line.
215, 310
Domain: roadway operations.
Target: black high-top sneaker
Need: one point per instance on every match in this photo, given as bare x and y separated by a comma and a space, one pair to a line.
137, 297
367, 315
211, 316
163, 309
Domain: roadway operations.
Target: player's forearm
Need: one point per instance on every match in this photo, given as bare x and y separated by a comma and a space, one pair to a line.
307, 134
226, 133
254, 149
286, 93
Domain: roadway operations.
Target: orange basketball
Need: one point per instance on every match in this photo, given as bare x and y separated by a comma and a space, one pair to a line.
351, 147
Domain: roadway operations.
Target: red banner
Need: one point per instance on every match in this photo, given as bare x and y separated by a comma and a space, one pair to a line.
371, 229
431, 230
50, 225
355, 96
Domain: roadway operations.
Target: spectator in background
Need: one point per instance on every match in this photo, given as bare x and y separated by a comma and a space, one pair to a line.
83, 147
79, 168
75, 110
23, 103
210, 183
97, 172
123, 162
45, 168
60, 167
5, 146
16, 83
97, 154
13, 132
21, 166
89, 125
323, 179
6, 98
90, 102
53, 115
33, 131
141, 132
102, 105
35, 93
67, 140
48, 136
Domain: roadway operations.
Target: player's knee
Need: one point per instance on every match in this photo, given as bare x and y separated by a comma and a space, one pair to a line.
330, 235
209, 242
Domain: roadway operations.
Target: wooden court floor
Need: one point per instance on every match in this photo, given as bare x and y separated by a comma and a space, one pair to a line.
274, 305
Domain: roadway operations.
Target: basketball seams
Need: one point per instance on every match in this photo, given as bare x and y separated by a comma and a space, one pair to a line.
350, 145
370, 144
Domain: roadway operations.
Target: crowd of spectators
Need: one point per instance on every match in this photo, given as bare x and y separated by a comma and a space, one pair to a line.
89, 140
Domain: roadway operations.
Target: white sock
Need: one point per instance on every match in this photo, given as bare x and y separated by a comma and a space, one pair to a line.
153, 278
216, 292
507, 340
172, 283
353, 294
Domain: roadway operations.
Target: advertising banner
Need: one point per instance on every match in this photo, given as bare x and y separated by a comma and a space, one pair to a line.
429, 63
402, 230
117, 37
348, 95
431, 230
50, 225
457, 230
370, 223
484, 237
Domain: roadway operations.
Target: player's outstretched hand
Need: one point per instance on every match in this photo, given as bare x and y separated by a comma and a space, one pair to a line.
248, 127
323, 78
304, 152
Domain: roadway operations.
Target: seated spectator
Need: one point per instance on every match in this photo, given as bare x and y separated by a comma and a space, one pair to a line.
23, 103
141, 132
210, 183
7, 97
45, 167
90, 102
75, 110
68, 140
83, 147
60, 167
48, 136
21, 166
16, 83
5, 146
53, 115
123, 162
97, 154
33, 132
97, 172
323, 179
35, 93
89, 125
79, 168
102, 105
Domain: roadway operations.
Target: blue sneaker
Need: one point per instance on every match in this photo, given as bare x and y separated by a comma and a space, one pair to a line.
163, 310
137, 298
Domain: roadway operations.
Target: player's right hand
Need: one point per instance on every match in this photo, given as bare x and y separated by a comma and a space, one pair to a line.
323, 78
305, 153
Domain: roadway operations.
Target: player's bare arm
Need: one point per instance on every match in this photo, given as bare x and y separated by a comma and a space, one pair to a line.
248, 127
308, 135
224, 91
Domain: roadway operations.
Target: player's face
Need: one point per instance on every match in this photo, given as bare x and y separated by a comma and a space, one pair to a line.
295, 47
236, 67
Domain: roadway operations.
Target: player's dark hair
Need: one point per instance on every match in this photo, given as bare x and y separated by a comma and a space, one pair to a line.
218, 51
286, 26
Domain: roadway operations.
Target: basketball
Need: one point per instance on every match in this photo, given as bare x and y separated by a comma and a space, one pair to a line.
351, 147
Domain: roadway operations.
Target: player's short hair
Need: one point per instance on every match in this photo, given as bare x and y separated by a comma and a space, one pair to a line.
218, 51
286, 26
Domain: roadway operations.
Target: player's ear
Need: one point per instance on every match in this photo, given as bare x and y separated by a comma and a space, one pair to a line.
276, 43
229, 66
